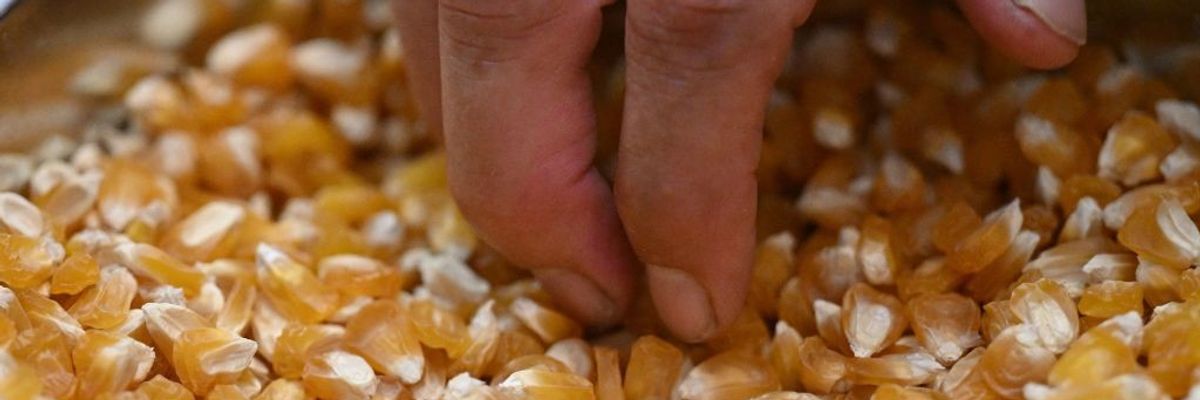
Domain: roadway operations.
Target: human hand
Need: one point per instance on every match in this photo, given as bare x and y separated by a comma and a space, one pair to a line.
505, 82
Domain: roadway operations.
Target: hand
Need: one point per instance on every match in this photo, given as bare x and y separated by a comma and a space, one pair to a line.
519, 130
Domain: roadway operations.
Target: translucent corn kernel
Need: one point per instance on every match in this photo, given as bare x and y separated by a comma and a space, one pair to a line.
128, 189
784, 355
1158, 282
339, 375
19, 216
1163, 234
1013, 359
229, 161
879, 260
485, 335
1086, 221
990, 282
782, 395
448, 278
907, 369
608, 374
987, 242
1133, 148
108, 363
226, 392
282, 389
731, 374
773, 264
576, 354
1124, 387
1056, 146
106, 304
292, 288
829, 325
833, 128
654, 366
1097, 356
958, 221
795, 305
947, 325
548, 324
18, 380
150, 262
1057, 100
1146, 197
871, 320
357, 275
1111, 298
159, 387
48, 351
748, 331
548, 385
1049, 311
206, 357
964, 379
1076, 187
26, 262
930, 277
8, 332
510, 345
382, 334
76, 273
899, 185
528, 362
237, 309
208, 233
896, 392
253, 56
821, 369
45, 313
297, 342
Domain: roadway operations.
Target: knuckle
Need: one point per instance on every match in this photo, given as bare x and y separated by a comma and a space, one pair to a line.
685, 35
695, 36
487, 32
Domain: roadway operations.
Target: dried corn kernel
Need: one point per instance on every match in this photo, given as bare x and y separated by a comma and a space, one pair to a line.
108, 363
653, 367
871, 320
292, 287
339, 375
381, 333
105, 304
205, 357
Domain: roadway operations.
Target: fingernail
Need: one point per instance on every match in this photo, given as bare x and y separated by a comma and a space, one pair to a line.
579, 295
1066, 18
682, 303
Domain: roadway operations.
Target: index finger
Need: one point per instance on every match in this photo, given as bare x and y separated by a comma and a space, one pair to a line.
1038, 33
699, 73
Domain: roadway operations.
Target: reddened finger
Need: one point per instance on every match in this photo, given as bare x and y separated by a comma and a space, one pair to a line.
699, 73
1038, 33
520, 137
417, 21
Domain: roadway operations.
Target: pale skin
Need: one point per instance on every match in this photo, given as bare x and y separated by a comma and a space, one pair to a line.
505, 84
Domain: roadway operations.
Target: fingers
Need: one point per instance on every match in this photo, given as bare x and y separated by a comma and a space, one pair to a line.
418, 24
1038, 33
519, 130
699, 73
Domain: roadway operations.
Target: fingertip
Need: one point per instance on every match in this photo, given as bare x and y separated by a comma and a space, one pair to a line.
582, 297
1042, 34
803, 11
683, 304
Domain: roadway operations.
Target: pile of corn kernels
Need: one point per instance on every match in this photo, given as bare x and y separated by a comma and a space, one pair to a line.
272, 222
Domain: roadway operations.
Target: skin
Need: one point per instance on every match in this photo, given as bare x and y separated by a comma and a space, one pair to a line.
504, 82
